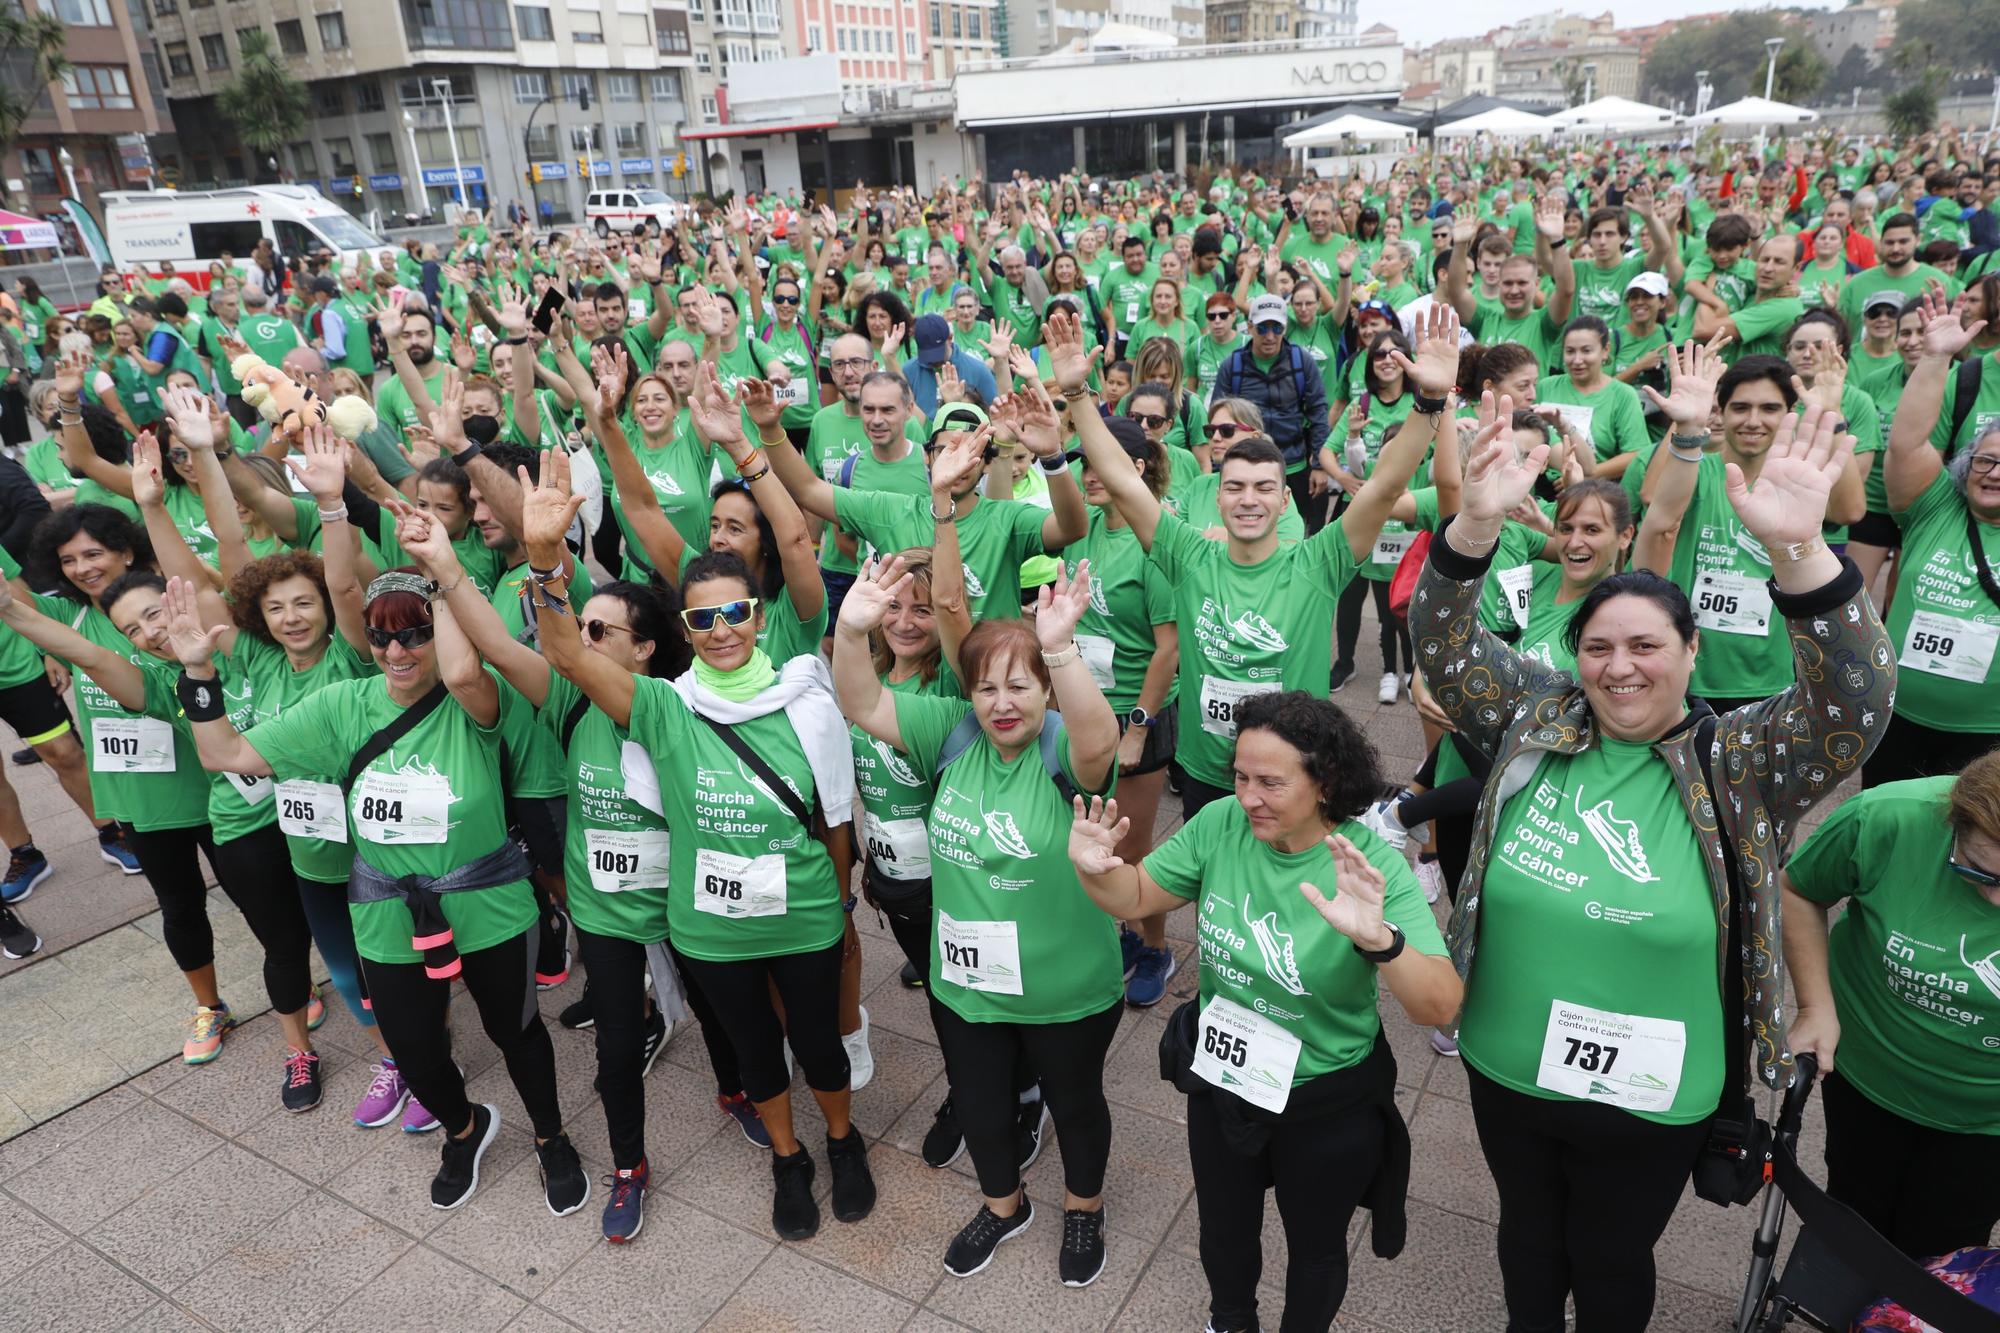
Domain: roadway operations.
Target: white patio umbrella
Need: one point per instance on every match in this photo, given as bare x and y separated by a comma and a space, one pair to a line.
1502, 122
1616, 114
1755, 112
1366, 129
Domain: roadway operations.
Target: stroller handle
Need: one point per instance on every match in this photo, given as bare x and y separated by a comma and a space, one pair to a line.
1805, 1071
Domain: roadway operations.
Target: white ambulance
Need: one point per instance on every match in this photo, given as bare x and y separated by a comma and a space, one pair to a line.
192, 228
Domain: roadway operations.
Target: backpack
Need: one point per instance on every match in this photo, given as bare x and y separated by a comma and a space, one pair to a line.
1965, 389
1232, 372
967, 731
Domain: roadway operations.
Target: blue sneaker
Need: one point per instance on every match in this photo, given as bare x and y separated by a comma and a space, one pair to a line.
27, 868
1129, 947
1148, 983
626, 1212
115, 852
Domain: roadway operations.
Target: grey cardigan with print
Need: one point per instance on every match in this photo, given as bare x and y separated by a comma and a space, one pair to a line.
1774, 760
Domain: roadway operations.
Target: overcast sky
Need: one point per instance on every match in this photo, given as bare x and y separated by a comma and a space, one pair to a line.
1438, 19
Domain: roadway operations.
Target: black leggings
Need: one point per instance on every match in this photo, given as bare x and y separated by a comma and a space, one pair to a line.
1585, 1193
1320, 1169
809, 986
1913, 750
1927, 1190
1450, 809
981, 1059
909, 919
1312, 508
618, 1001
410, 1008
255, 871
1347, 625
721, 1055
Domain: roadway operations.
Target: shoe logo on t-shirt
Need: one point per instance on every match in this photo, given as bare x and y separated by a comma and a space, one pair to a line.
1617, 838
1280, 962
1986, 969
1752, 547
1006, 834
1257, 631
973, 587
899, 771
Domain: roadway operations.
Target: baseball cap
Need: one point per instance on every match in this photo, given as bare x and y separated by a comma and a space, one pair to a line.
1653, 284
1892, 299
1268, 309
933, 338
957, 416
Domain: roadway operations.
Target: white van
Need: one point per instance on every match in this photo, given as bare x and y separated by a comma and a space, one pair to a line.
607, 211
192, 228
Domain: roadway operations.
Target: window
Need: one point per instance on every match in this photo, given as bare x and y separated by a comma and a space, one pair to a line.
909, 43
586, 25
670, 29
305, 161
575, 86
629, 138
333, 31
84, 13
291, 37
530, 87
226, 238
708, 113
328, 100
435, 145
957, 23
341, 153
632, 31
971, 24
246, 36
180, 64
814, 41
701, 61
382, 152
214, 51
621, 87
667, 86
937, 22
368, 97
421, 90
166, 6
695, 10
201, 4
542, 143
98, 87
534, 23
476, 25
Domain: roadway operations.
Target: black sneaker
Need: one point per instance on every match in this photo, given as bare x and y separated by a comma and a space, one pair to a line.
26, 757
794, 1215
303, 1081
458, 1173
945, 1141
656, 1041
578, 1014
972, 1248
1028, 1130
16, 940
1342, 673
1082, 1257
910, 977
563, 1180
853, 1186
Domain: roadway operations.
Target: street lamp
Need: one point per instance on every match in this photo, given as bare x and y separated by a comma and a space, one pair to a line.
68, 165
1772, 44
1701, 91
443, 87
417, 162
1589, 84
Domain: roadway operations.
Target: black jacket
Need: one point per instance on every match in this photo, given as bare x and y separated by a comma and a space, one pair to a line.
1291, 396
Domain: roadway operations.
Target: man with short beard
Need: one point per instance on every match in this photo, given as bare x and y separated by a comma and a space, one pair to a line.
412, 341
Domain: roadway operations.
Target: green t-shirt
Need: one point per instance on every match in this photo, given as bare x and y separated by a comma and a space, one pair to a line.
1596, 863
1535, 331
1601, 291
789, 347
1613, 417
1854, 296
993, 540
756, 884
787, 634
1503, 598
1204, 361
1129, 295
1745, 649
1761, 326
430, 803
835, 435
1264, 948
393, 406
1246, 629
259, 684
1885, 390
1543, 637
1945, 628
1128, 596
895, 795
1322, 257
679, 471
510, 595
1985, 413
616, 855
1911, 959
1014, 938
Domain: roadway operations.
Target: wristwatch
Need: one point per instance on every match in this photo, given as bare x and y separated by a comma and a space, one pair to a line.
1381, 956
1139, 717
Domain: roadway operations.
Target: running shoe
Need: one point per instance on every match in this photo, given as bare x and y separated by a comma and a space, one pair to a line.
1146, 984
910, 977
417, 1119
743, 1111
304, 1081
384, 1099
853, 1184
794, 1215
16, 939
206, 1031
1129, 945
972, 1248
1082, 1255
25, 757
26, 868
1431, 876
315, 1009
1342, 673
1028, 1124
564, 1183
625, 1211
1444, 1043
1390, 684
552, 951
578, 1014
458, 1172
1380, 819
656, 1041
860, 1060
944, 1141
111, 846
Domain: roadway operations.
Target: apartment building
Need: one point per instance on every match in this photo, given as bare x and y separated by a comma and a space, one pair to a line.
877, 42
417, 102
98, 113
1230, 22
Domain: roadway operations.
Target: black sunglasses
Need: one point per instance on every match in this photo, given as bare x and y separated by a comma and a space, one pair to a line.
597, 629
1222, 314
1972, 872
416, 636
1150, 420
784, 300
1221, 430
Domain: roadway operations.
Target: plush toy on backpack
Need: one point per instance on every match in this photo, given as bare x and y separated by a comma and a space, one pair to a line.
291, 407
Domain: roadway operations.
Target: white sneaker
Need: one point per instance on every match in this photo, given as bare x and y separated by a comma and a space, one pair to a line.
1444, 1045
1390, 684
860, 1060
1431, 876
1380, 819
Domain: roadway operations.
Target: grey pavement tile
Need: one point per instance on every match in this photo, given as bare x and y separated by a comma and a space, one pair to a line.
899, 1008
393, 1182
296, 1271
1021, 1292
317, 1145
680, 1118
925, 1321
29, 1238
1146, 1181
904, 1068
240, 1087
789, 1293
900, 1246
1446, 1165
13, 1120
74, 1288
1173, 1293
1706, 1247
1447, 1279
164, 1317
1680, 1309
101, 1170
231, 1194
907, 1133
731, 1178
44, 1141
535, 1319
425, 1287
507, 1234
680, 1271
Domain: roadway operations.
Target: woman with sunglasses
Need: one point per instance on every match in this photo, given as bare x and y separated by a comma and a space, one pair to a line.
762, 903
1154, 405
784, 333
1229, 420
1906, 992
437, 889
1218, 338
1374, 418
1020, 969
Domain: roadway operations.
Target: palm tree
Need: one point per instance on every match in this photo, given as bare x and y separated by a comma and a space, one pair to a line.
36, 42
264, 101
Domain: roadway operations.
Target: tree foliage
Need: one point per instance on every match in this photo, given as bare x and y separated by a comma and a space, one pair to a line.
31, 58
1912, 109
1962, 33
264, 101
1731, 49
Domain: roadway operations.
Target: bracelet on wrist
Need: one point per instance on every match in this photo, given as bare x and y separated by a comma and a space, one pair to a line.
1062, 656
467, 454
1460, 542
751, 478
1685, 456
1055, 464
336, 515
201, 699
950, 515
1423, 406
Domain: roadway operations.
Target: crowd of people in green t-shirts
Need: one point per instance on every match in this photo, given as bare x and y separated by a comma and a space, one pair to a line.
908, 556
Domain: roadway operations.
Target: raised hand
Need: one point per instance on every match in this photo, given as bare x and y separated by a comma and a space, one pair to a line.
1435, 367
321, 464
193, 643
1355, 910
1549, 217
1498, 478
1094, 834
1035, 422
1831, 380
1806, 458
547, 509
424, 539
1691, 376
389, 323
707, 313
1062, 339
756, 398
714, 416
894, 340
1000, 344
950, 388
954, 467
149, 482
607, 369
1060, 605
1945, 331
513, 313
189, 413
70, 372
879, 584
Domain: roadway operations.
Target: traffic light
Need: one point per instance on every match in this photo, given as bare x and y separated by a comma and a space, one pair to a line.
355, 183
534, 174
583, 167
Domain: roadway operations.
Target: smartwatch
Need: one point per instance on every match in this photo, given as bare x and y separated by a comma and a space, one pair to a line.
1381, 956
1139, 717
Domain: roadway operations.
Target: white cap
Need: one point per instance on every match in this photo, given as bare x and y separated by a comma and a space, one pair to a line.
1654, 283
1268, 309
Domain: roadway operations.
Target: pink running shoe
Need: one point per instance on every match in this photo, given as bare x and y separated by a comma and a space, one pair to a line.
384, 1099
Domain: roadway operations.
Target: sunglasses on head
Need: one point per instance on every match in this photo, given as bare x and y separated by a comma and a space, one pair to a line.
701, 619
1967, 870
416, 636
1150, 420
597, 629
1221, 430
